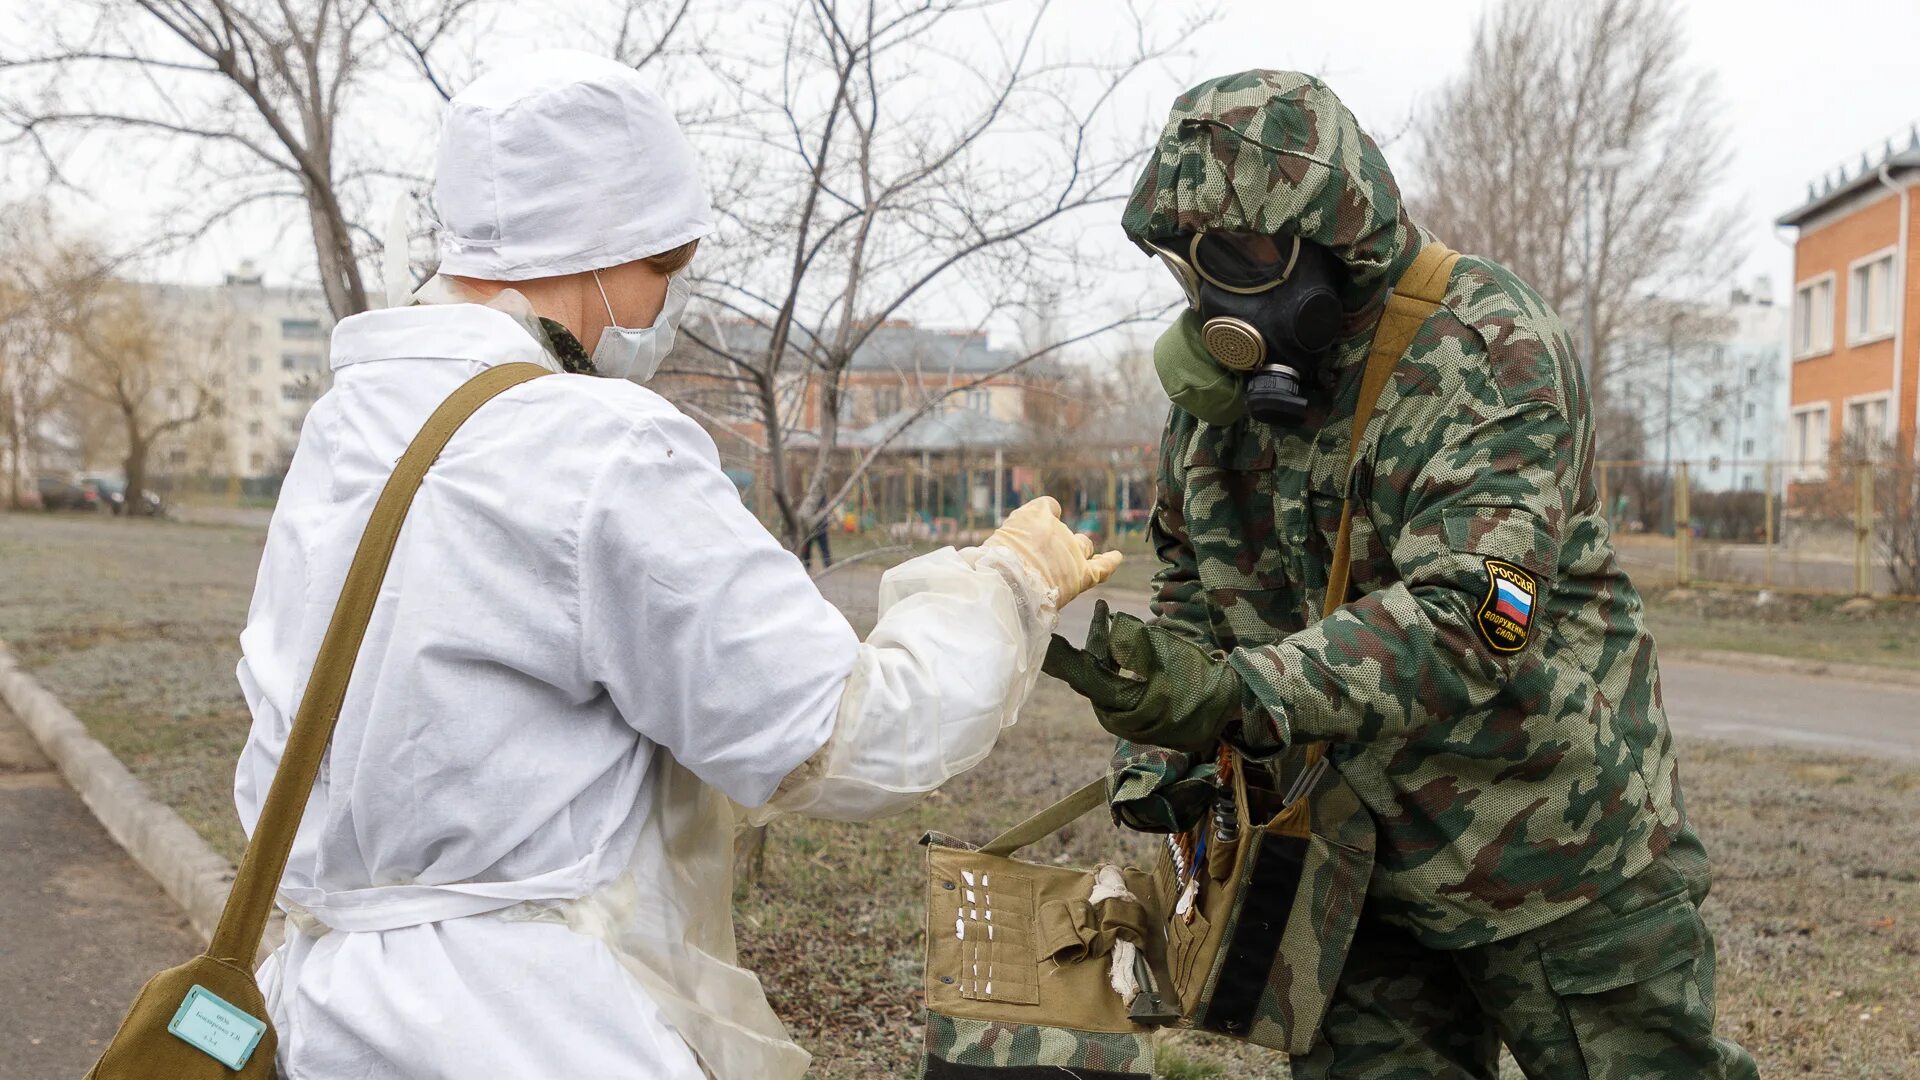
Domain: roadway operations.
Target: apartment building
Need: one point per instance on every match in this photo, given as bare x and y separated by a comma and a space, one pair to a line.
261, 353
1727, 404
1855, 313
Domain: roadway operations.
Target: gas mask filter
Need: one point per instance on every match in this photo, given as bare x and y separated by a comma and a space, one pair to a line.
1267, 309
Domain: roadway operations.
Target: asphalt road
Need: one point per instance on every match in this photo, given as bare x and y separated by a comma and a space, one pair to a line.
81, 927
1739, 704
1815, 711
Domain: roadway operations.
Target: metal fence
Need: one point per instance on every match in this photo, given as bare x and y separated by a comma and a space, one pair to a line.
961, 496
1849, 528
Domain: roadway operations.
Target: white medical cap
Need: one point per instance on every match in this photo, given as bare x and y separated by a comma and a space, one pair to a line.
562, 161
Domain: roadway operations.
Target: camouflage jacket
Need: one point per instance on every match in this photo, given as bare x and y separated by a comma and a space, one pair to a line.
1490, 690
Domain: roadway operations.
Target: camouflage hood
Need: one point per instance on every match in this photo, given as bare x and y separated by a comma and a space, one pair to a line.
1276, 152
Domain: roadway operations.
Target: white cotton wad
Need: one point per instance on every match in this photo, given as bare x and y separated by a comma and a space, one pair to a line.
1109, 883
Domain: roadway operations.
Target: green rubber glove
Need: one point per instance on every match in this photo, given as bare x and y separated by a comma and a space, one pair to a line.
1148, 684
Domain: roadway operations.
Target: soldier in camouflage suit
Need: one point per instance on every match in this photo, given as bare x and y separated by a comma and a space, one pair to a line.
1536, 881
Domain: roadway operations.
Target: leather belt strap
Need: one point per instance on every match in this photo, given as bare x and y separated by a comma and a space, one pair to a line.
1415, 298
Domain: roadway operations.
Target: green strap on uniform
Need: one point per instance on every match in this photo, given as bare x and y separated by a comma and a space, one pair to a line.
1415, 297
244, 919
1049, 821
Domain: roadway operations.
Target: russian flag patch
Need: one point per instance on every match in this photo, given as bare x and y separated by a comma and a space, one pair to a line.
1505, 618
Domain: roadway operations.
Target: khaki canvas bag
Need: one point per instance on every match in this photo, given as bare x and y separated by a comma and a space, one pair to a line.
1253, 911
1018, 960
206, 1019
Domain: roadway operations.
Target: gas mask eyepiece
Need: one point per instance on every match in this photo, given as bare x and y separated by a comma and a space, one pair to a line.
1268, 311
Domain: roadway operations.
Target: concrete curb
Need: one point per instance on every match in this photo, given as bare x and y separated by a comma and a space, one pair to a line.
160, 841
1796, 666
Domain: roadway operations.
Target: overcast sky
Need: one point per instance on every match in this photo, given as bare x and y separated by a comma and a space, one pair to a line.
1805, 87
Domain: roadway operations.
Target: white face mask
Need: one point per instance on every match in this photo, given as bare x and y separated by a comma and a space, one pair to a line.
635, 353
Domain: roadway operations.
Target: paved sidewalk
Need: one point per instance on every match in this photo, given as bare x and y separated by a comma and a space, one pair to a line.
81, 927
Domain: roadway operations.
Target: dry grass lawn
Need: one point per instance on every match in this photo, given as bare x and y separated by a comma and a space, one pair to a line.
1816, 905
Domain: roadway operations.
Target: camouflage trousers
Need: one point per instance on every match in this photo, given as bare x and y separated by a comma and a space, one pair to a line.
1620, 990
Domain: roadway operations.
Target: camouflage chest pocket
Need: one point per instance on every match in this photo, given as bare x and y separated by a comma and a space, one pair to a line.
1373, 567
1239, 531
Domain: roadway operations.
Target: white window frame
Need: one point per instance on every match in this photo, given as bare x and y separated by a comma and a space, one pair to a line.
1884, 398
1806, 467
1856, 334
1814, 348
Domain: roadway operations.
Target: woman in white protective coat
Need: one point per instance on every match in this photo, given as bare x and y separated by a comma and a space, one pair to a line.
516, 861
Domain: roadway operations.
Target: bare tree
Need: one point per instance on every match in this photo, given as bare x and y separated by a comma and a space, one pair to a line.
42, 272
1894, 502
879, 161
1510, 146
280, 102
1897, 513
29, 387
1675, 349
125, 357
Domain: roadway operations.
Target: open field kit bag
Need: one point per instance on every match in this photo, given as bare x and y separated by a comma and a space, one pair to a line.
1041, 971
1241, 929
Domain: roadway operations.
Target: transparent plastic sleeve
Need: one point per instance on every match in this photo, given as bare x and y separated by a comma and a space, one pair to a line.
955, 653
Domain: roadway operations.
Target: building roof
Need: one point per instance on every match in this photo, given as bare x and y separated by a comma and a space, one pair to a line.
1832, 190
937, 432
910, 348
906, 348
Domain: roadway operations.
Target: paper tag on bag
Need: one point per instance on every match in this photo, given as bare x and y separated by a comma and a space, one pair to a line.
210, 1023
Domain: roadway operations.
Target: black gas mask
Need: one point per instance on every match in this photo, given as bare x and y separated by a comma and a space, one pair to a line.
1268, 311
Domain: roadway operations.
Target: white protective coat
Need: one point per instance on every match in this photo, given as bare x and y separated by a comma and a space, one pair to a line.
516, 861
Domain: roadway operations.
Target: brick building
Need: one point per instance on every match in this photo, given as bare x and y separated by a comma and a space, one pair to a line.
1855, 313
956, 437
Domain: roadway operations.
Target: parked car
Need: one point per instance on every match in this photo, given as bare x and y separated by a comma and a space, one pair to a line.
60, 493
111, 492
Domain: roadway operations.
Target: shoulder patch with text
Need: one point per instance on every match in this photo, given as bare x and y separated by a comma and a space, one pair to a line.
1506, 615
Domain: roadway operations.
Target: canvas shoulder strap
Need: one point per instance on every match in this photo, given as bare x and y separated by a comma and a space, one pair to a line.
1416, 296
244, 918
1049, 821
